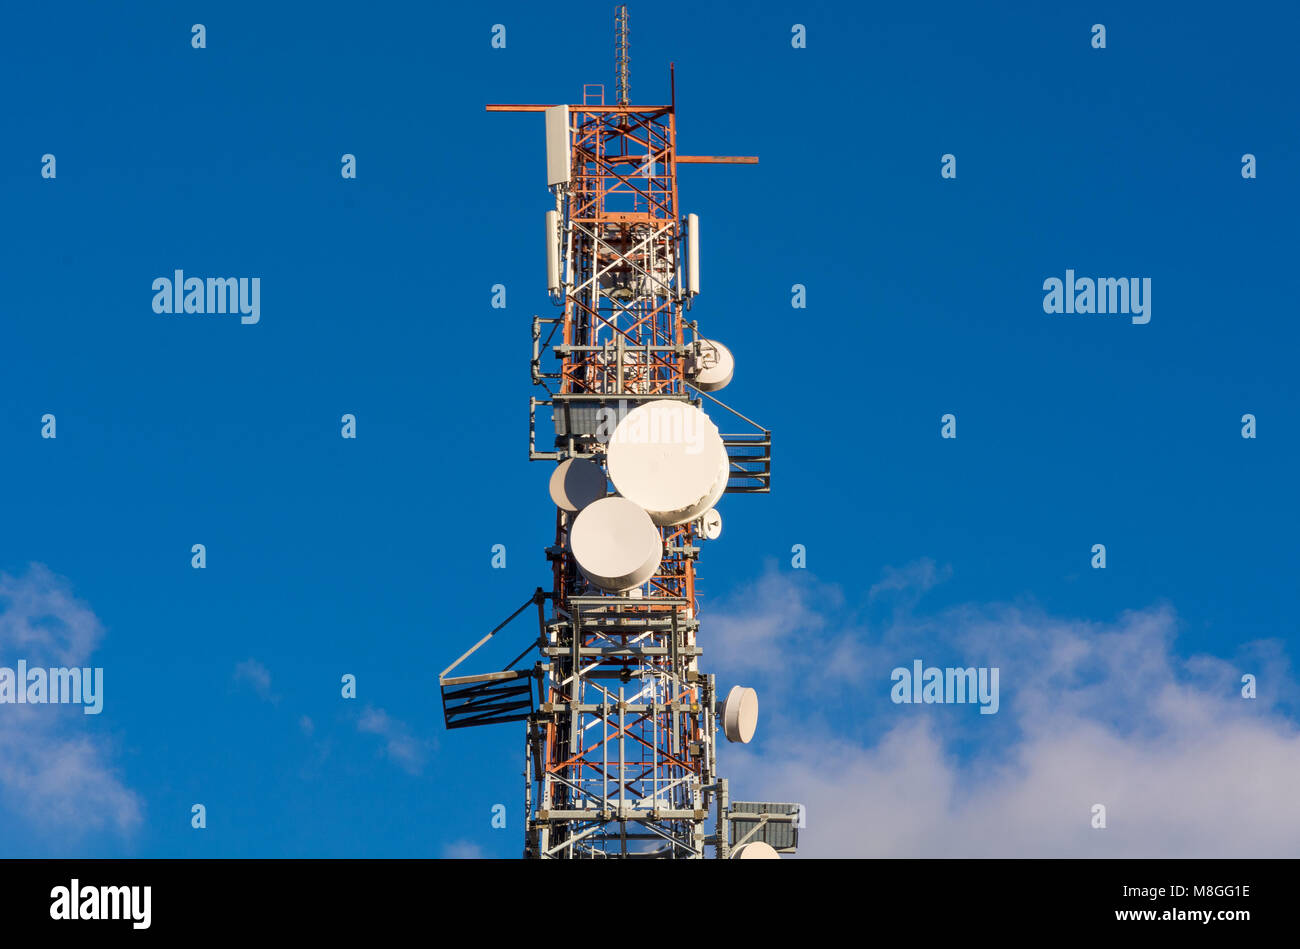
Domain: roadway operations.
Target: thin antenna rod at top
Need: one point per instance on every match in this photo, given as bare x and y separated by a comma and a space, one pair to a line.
621, 54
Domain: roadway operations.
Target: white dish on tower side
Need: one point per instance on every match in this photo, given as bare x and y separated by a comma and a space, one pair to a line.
711, 366
740, 714
576, 482
668, 457
616, 544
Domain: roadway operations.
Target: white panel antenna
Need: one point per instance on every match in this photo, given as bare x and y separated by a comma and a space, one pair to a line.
553, 251
557, 145
692, 254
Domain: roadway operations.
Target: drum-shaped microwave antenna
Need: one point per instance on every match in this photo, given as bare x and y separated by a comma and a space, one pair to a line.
576, 482
755, 850
710, 366
740, 714
668, 457
616, 544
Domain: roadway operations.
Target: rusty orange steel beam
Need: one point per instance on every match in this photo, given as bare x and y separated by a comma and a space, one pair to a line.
511, 107
717, 159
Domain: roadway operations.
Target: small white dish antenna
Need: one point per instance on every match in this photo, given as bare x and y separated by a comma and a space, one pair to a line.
575, 483
711, 365
711, 525
740, 714
755, 850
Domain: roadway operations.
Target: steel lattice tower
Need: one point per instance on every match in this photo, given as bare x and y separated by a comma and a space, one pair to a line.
621, 746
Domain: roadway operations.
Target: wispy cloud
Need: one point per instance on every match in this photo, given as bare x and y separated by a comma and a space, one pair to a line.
915, 579
257, 676
400, 746
51, 771
462, 850
763, 626
1092, 713
42, 619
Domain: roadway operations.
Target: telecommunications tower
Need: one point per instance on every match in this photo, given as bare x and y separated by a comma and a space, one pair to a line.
622, 720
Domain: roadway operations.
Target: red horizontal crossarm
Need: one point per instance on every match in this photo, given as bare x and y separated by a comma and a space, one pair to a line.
510, 107
717, 159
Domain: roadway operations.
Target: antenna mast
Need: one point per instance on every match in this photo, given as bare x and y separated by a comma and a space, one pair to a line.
623, 722
622, 53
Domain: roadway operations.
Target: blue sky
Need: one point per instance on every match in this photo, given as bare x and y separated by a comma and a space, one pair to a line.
372, 557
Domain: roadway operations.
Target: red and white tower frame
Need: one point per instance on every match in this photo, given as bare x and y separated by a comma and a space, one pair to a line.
622, 722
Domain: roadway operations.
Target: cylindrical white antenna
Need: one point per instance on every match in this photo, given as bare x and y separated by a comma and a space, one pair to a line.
692, 254
755, 850
740, 714
577, 482
710, 365
616, 544
553, 251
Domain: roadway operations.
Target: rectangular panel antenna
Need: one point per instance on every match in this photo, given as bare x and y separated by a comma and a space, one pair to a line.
557, 145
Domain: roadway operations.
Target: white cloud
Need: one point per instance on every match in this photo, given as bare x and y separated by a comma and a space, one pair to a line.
51, 772
42, 621
406, 751
1091, 713
916, 578
462, 850
62, 783
763, 627
256, 675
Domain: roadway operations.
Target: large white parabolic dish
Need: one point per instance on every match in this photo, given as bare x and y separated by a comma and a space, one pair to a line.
668, 457
740, 714
576, 482
756, 850
616, 544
